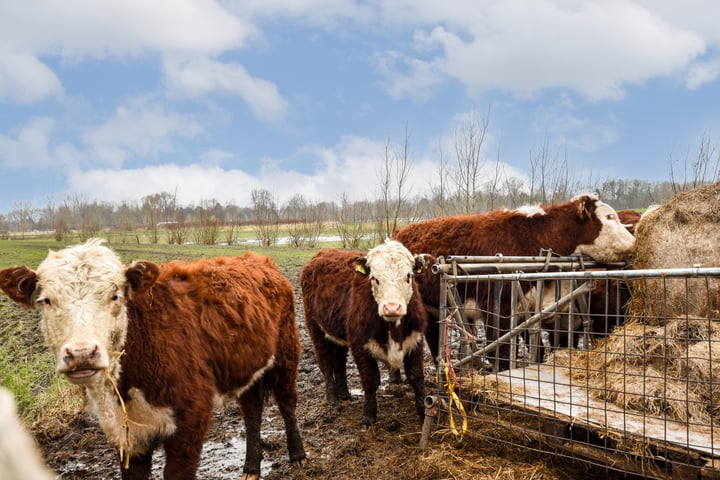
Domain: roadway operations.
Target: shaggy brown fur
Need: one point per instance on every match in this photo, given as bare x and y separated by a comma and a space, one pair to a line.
562, 228
196, 330
339, 303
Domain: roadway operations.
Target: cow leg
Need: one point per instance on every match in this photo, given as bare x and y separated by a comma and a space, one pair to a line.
413, 363
285, 394
394, 375
183, 448
139, 467
251, 403
339, 387
370, 379
331, 359
432, 332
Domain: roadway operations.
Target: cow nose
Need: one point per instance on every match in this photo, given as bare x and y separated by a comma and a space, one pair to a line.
80, 354
392, 309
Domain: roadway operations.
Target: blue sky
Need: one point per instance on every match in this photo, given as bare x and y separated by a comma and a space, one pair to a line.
115, 100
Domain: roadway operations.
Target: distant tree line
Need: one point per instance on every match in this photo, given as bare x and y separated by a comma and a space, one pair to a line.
466, 181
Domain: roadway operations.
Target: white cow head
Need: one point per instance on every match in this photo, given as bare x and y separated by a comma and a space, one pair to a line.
614, 242
81, 293
391, 267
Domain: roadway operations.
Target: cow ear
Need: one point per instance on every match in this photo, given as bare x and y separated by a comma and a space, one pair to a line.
420, 264
19, 283
141, 275
361, 266
586, 207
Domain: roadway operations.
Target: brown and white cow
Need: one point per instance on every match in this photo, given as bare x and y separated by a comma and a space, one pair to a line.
582, 226
154, 344
370, 305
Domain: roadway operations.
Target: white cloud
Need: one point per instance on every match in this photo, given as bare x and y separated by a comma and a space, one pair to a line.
315, 12
193, 183
561, 122
215, 157
702, 73
24, 79
349, 167
201, 76
525, 47
79, 28
31, 147
140, 127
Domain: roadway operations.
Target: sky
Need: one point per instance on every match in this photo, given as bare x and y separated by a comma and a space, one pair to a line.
209, 100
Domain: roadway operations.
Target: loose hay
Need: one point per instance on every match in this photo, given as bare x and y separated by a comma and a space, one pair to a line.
671, 370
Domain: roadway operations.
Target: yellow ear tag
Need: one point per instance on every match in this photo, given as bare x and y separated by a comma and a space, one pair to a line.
361, 268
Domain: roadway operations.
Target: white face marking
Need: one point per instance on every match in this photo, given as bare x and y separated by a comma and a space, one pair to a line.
614, 243
395, 351
391, 276
81, 302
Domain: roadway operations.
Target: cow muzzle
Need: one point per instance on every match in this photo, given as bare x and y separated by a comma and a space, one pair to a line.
81, 361
392, 312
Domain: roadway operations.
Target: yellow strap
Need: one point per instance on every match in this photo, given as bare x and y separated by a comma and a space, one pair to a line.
454, 399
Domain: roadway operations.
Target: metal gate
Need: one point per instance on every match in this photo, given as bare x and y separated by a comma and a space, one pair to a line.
613, 367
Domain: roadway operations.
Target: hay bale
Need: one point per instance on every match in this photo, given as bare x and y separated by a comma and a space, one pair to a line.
681, 233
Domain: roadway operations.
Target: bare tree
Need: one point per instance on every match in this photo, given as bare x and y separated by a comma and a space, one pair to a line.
305, 220
392, 180
494, 184
208, 222
551, 178
704, 168
469, 140
157, 209
88, 216
439, 191
21, 216
349, 220
267, 219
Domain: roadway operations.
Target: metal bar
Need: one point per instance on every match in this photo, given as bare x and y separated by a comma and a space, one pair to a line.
581, 290
596, 274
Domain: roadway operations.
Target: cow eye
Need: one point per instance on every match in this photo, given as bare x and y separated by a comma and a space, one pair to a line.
409, 277
611, 216
44, 301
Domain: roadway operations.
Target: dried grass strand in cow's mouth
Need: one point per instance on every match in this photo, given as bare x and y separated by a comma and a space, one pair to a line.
124, 444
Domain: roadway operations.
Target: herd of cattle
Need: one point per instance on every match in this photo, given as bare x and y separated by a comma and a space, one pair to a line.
154, 344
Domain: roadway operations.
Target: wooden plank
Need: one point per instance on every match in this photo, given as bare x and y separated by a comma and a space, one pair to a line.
548, 390
628, 440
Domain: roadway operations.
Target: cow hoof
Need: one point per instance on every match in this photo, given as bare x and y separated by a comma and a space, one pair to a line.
250, 476
367, 422
336, 399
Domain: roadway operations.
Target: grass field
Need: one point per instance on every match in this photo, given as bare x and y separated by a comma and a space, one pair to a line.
26, 366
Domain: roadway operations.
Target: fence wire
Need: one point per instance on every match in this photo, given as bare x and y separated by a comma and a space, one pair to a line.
614, 367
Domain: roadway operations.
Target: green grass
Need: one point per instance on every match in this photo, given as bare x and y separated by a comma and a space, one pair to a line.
27, 368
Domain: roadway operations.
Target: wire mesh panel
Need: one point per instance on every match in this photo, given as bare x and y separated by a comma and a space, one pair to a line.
618, 368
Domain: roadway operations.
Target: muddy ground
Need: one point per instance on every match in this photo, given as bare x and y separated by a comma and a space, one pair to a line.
337, 447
